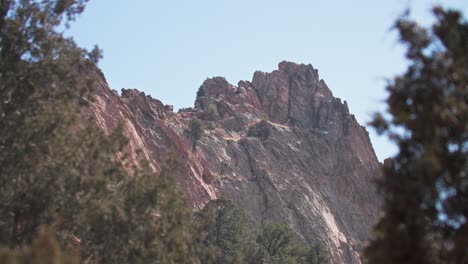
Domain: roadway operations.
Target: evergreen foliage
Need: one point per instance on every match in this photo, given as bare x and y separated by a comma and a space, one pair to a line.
228, 235
194, 132
201, 91
211, 125
260, 130
222, 227
274, 240
276, 243
425, 187
317, 254
212, 110
58, 168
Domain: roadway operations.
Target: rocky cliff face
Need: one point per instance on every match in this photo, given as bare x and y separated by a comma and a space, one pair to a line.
281, 147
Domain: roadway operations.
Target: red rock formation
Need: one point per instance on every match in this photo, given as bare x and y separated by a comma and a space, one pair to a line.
156, 134
313, 169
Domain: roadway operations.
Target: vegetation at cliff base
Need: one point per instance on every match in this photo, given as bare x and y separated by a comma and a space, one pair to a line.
425, 187
230, 237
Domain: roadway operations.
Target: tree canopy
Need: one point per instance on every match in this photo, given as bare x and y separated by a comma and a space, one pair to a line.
231, 237
425, 187
222, 227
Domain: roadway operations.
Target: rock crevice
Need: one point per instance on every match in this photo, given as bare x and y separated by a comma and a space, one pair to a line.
309, 163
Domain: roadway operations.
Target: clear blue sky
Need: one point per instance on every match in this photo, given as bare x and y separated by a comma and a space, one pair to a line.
168, 48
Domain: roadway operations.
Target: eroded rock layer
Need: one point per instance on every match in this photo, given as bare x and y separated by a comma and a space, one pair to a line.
281, 147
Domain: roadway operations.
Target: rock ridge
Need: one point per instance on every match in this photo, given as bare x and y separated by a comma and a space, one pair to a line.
281, 146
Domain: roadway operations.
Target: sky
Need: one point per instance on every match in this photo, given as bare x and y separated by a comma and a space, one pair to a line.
167, 48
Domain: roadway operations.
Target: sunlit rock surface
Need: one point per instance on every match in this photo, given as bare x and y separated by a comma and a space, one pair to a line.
313, 169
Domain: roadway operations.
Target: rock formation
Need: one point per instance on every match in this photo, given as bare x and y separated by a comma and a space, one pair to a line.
281, 147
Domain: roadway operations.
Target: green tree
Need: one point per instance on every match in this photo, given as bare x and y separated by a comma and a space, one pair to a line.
425, 187
222, 227
41, 76
277, 243
228, 236
58, 168
212, 110
194, 132
201, 91
145, 221
275, 238
317, 254
261, 130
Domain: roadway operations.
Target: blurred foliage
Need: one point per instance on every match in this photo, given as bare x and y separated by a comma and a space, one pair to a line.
211, 125
45, 249
425, 187
56, 167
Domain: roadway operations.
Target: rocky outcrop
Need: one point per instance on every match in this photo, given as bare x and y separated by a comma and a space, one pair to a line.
155, 133
281, 147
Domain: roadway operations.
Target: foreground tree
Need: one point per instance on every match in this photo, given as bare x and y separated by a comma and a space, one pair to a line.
145, 220
57, 168
40, 81
45, 249
425, 186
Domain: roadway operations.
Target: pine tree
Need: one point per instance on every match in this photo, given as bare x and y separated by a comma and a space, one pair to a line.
277, 243
194, 132
222, 227
425, 187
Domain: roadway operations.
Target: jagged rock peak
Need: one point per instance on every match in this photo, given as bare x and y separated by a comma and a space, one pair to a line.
140, 98
292, 95
216, 86
281, 146
293, 68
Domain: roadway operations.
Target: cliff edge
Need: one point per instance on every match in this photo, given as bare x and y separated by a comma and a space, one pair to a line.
280, 146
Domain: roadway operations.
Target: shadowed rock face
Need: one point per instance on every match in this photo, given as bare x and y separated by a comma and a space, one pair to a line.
308, 163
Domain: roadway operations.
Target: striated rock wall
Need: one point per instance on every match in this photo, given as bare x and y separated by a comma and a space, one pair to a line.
155, 133
312, 166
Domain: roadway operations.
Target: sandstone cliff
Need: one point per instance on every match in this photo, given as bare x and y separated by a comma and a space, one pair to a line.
306, 161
